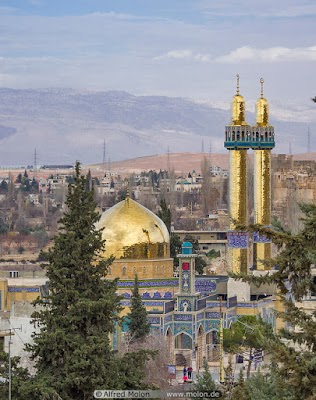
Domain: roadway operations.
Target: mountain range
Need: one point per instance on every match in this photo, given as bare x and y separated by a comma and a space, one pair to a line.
65, 125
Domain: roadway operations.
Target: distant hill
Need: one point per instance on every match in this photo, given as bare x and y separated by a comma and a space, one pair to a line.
65, 125
179, 162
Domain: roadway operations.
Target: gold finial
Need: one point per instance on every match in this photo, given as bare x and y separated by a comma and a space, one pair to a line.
127, 193
237, 89
262, 82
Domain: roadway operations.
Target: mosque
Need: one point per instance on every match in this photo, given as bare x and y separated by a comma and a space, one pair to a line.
189, 310
185, 309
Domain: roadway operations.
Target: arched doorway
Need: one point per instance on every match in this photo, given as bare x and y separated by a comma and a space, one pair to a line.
170, 345
183, 349
212, 348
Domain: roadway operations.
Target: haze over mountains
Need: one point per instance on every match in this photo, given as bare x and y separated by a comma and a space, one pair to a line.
65, 125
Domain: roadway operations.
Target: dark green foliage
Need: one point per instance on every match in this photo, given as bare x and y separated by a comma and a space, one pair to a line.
4, 186
3, 226
213, 254
34, 185
200, 264
72, 351
175, 247
165, 214
205, 381
19, 178
175, 243
248, 331
294, 355
18, 374
88, 181
138, 325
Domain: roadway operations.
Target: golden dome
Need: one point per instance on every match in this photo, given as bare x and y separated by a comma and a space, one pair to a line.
132, 231
262, 109
238, 108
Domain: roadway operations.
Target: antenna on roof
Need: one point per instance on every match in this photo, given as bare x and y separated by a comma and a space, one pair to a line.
35, 165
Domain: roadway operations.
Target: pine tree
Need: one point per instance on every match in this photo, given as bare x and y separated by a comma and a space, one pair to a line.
240, 391
72, 351
205, 381
17, 374
294, 356
138, 324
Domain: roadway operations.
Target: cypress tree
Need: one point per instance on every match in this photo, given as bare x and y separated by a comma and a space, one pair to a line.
139, 326
165, 214
72, 351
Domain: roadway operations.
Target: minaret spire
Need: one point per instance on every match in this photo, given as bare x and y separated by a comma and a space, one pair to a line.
262, 82
237, 86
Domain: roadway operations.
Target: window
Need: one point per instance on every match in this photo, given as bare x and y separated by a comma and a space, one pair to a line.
14, 274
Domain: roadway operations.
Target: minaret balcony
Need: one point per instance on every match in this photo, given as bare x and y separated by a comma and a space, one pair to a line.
262, 144
237, 145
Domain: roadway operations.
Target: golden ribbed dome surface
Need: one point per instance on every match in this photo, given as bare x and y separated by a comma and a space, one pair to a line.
132, 231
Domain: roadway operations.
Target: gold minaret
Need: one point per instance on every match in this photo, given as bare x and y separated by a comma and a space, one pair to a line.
262, 143
238, 141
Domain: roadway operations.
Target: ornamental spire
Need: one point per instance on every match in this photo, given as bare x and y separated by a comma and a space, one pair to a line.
262, 82
237, 86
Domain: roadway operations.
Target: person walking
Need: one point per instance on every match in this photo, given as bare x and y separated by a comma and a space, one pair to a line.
190, 373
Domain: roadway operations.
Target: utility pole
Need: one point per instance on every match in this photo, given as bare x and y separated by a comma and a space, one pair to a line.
221, 344
9, 332
10, 380
104, 158
35, 165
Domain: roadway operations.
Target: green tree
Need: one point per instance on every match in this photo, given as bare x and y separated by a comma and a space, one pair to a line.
4, 186
18, 374
262, 387
294, 352
19, 178
247, 332
165, 214
34, 185
240, 392
138, 324
175, 243
205, 381
175, 247
72, 351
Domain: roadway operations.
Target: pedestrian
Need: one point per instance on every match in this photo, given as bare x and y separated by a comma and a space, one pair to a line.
185, 379
185, 371
190, 373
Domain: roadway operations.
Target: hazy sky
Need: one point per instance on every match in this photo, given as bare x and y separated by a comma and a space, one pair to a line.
190, 48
